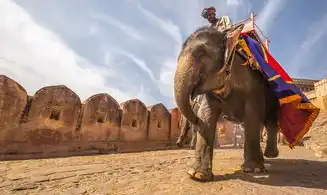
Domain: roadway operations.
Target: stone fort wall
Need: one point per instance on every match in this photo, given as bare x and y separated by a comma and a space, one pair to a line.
54, 122
315, 90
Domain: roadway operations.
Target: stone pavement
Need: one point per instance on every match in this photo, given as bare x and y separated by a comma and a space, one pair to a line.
163, 172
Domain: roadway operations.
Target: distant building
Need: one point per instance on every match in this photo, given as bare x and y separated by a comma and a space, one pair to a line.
314, 90
321, 88
305, 85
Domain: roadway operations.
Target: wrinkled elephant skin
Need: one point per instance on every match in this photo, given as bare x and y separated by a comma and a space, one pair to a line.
246, 96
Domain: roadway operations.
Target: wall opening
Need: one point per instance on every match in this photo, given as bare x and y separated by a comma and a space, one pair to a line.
134, 123
110, 118
100, 119
55, 115
159, 124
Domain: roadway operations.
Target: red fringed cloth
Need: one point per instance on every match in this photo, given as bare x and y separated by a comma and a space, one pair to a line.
296, 113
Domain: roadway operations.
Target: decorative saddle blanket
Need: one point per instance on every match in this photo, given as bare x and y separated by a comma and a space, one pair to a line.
296, 113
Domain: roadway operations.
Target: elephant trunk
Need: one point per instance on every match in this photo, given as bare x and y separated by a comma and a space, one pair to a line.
184, 85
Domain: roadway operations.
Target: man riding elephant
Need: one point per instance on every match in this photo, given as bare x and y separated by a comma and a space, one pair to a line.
218, 23
208, 64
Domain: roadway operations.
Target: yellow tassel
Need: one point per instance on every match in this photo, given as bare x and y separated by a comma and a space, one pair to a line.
252, 62
274, 77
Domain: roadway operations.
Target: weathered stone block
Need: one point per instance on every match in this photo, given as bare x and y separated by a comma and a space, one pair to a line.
159, 123
174, 124
13, 100
134, 122
101, 118
53, 116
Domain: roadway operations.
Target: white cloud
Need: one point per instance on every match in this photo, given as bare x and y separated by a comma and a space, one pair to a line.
166, 25
233, 2
168, 65
94, 29
167, 72
140, 63
314, 35
144, 95
48, 50
127, 29
34, 56
268, 14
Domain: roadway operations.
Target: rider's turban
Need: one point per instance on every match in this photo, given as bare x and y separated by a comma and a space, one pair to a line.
209, 13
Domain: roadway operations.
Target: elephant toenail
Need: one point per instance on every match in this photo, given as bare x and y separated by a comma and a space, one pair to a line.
191, 172
199, 175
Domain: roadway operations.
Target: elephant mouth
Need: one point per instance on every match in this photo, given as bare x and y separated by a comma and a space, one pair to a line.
196, 91
219, 90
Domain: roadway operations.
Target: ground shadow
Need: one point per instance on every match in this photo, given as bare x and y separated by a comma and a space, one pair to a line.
221, 147
286, 172
228, 147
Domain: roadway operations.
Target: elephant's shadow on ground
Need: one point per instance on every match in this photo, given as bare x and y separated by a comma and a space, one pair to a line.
286, 172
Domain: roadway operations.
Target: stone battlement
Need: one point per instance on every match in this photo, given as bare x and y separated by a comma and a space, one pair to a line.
54, 122
305, 85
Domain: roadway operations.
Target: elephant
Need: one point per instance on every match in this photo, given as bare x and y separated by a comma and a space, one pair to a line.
210, 64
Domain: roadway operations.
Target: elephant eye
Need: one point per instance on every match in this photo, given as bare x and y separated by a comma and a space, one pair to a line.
198, 53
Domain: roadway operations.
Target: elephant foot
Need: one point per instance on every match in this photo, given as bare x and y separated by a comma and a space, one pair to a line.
179, 143
200, 175
271, 153
253, 167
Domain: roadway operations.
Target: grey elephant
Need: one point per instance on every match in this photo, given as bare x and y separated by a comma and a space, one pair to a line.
207, 65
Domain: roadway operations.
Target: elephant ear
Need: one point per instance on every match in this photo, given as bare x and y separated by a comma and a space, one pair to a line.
232, 36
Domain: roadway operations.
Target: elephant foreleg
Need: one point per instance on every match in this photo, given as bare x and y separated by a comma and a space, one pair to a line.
253, 156
202, 166
271, 150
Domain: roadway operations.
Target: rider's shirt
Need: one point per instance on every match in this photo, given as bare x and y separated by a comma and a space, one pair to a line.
223, 22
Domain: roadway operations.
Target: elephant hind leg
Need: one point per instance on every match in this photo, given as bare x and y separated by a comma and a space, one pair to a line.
253, 156
193, 140
271, 150
185, 126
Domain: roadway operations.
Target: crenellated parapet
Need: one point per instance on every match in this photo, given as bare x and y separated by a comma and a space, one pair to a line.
55, 121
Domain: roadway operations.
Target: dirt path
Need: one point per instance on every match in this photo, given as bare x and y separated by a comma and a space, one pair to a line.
163, 172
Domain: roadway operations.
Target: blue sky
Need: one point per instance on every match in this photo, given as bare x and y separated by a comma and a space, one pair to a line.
128, 48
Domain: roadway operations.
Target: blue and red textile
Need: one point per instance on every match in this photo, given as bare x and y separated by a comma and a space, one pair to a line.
296, 113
